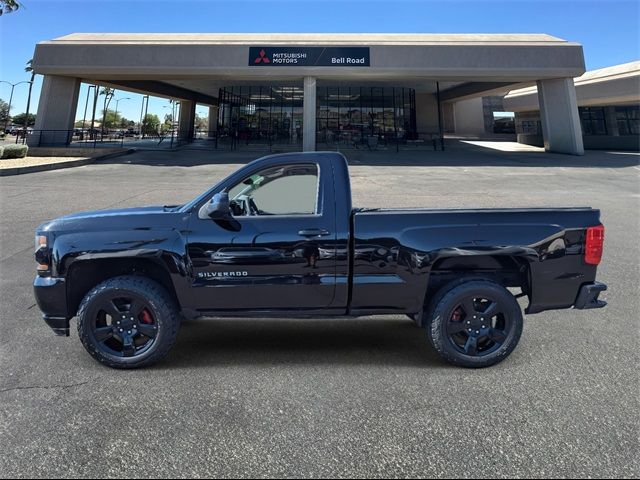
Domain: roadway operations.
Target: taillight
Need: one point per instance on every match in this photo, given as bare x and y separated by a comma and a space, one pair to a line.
594, 245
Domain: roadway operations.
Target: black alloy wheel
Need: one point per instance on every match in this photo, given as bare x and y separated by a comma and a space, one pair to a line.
123, 325
478, 326
477, 323
128, 322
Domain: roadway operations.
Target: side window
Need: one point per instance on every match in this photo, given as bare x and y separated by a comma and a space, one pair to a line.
282, 190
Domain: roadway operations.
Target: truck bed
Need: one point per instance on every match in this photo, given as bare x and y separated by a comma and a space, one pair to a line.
397, 251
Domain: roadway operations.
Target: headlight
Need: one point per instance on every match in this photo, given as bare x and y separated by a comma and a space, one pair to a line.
41, 241
42, 254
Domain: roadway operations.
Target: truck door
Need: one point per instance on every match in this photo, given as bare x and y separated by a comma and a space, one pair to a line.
281, 254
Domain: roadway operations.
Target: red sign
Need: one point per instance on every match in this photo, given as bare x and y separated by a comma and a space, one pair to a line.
262, 58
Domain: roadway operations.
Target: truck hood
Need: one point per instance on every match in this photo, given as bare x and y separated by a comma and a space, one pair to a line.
138, 218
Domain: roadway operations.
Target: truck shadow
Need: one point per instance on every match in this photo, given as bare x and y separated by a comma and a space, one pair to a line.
240, 341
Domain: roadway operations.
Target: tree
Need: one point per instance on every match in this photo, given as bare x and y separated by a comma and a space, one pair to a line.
21, 119
202, 123
150, 124
29, 69
110, 119
108, 95
168, 122
4, 112
8, 6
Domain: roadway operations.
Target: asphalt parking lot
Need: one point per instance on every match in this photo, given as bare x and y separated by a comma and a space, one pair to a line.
317, 398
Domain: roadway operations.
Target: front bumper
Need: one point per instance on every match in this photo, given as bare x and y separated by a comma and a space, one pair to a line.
51, 296
588, 296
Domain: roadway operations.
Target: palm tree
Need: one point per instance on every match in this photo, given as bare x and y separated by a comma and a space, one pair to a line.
108, 95
29, 69
8, 6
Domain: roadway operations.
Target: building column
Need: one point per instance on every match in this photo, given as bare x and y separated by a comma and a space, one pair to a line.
187, 120
213, 121
309, 115
561, 129
56, 111
469, 117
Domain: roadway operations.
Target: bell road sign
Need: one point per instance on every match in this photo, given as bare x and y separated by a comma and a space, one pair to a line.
309, 56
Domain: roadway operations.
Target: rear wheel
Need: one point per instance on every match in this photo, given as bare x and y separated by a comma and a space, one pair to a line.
128, 322
475, 324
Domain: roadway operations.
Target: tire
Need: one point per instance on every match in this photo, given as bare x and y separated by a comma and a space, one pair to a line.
474, 323
128, 322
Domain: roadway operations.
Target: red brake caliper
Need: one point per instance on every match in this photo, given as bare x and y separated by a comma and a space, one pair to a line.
456, 316
146, 317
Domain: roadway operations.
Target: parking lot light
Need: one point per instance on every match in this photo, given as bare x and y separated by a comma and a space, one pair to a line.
116, 115
13, 85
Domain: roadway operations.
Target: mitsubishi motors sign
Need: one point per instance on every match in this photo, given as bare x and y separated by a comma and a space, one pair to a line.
309, 56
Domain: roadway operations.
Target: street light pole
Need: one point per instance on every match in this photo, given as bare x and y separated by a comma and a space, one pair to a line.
145, 98
124, 98
173, 120
93, 115
202, 117
86, 104
116, 117
13, 85
146, 111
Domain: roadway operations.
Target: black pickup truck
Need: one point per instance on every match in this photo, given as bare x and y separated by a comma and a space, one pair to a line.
279, 237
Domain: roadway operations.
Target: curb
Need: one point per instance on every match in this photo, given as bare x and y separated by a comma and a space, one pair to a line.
5, 172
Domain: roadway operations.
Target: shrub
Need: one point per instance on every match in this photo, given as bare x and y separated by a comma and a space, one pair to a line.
14, 151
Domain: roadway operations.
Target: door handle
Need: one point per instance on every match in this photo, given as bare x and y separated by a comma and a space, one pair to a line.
313, 232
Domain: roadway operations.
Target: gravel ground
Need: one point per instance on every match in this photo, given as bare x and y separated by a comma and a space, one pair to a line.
329, 398
33, 161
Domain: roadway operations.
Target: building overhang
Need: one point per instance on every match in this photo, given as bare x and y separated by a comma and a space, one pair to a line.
198, 63
616, 85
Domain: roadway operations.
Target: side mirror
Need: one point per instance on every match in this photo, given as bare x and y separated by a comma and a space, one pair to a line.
217, 209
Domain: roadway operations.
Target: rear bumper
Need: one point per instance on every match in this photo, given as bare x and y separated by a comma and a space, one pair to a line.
51, 296
588, 296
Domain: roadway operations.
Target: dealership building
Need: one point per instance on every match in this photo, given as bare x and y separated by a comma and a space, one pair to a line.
608, 107
314, 89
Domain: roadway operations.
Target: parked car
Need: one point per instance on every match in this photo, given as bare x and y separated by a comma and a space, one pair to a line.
279, 237
21, 132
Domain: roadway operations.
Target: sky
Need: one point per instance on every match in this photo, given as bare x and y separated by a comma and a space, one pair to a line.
607, 29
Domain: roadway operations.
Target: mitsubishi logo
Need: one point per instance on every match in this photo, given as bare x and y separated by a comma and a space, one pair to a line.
262, 58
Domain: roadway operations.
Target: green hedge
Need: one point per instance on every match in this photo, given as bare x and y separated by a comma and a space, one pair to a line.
14, 151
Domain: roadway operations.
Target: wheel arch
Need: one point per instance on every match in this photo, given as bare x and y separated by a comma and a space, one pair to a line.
509, 271
84, 275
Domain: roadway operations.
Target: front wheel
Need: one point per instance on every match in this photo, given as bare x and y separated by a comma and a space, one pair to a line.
128, 322
475, 324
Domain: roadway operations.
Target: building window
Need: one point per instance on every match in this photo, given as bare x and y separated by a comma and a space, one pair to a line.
628, 119
345, 115
592, 120
529, 127
349, 115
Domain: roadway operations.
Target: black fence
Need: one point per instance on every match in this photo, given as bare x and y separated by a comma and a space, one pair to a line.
223, 140
230, 141
96, 139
